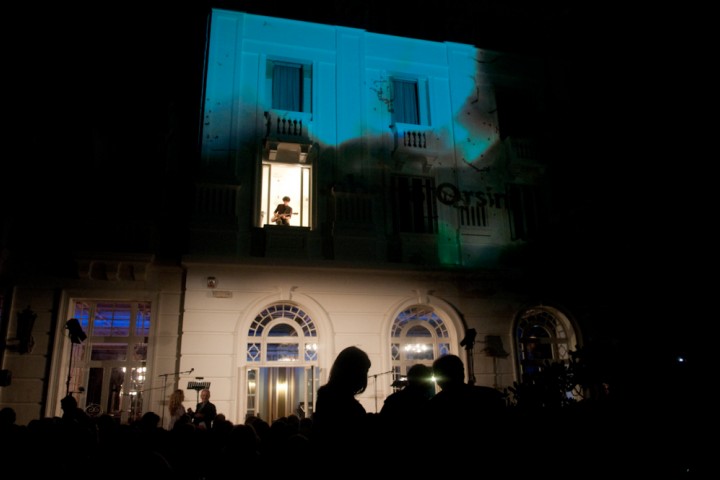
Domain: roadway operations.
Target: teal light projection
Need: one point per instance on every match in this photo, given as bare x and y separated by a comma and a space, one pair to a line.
360, 102
366, 103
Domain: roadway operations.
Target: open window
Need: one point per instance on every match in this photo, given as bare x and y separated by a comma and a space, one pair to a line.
287, 157
281, 179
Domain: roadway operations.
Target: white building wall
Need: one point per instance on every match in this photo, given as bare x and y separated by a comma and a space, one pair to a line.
348, 306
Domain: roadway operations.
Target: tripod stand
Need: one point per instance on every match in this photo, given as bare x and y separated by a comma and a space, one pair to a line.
76, 334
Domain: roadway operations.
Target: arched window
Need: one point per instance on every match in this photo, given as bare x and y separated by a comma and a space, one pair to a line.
543, 335
282, 333
281, 374
417, 335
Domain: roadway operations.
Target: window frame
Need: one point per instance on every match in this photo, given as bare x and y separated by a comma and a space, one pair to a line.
422, 99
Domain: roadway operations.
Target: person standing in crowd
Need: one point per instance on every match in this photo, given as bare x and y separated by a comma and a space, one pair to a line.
461, 411
403, 409
205, 411
176, 407
341, 424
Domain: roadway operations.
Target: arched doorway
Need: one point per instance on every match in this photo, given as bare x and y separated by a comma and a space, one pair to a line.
282, 373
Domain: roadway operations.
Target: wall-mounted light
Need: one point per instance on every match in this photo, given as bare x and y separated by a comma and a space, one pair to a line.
211, 282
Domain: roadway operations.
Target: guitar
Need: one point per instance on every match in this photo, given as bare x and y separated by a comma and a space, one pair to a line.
278, 216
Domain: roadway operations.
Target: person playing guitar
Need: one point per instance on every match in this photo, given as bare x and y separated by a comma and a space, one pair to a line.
283, 212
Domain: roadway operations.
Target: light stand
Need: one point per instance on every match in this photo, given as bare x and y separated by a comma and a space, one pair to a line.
76, 335
468, 343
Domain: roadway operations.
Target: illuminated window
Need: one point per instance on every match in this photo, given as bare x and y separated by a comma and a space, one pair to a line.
282, 373
111, 364
417, 335
286, 179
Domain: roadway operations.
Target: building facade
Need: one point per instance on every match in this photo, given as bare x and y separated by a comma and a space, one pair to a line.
416, 182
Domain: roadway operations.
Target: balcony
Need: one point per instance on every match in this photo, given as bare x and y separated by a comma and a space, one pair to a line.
414, 139
286, 126
415, 148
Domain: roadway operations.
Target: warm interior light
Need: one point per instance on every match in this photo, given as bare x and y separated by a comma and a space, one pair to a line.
416, 347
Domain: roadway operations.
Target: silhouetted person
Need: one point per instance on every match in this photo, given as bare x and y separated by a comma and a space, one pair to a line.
80, 431
341, 426
468, 418
403, 418
239, 447
404, 408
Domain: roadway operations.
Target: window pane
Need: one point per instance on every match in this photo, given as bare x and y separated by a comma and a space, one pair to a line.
142, 320
109, 351
287, 87
282, 352
405, 102
310, 352
112, 320
94, 386
418, 351
282, 330
139, 352
117, 379
253, 352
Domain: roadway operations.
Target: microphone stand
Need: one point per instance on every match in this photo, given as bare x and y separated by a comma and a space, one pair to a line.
375, 382
164, 377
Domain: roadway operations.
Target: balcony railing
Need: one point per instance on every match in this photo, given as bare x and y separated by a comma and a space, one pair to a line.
413, 138
283, 125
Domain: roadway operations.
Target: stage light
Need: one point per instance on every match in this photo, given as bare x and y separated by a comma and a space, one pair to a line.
76, 332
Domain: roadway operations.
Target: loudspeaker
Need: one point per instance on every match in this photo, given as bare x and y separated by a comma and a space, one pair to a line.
5, 378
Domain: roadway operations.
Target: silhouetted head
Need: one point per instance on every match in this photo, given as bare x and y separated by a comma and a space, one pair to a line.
68, 403
350, 369
7, 416
419, 378
419, 375
449, 370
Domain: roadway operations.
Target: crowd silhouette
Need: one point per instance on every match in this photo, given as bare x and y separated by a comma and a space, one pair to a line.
461, 428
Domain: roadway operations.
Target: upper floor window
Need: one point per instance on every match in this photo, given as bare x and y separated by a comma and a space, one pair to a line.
290, 86
527, 212
414, 204
410, 103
